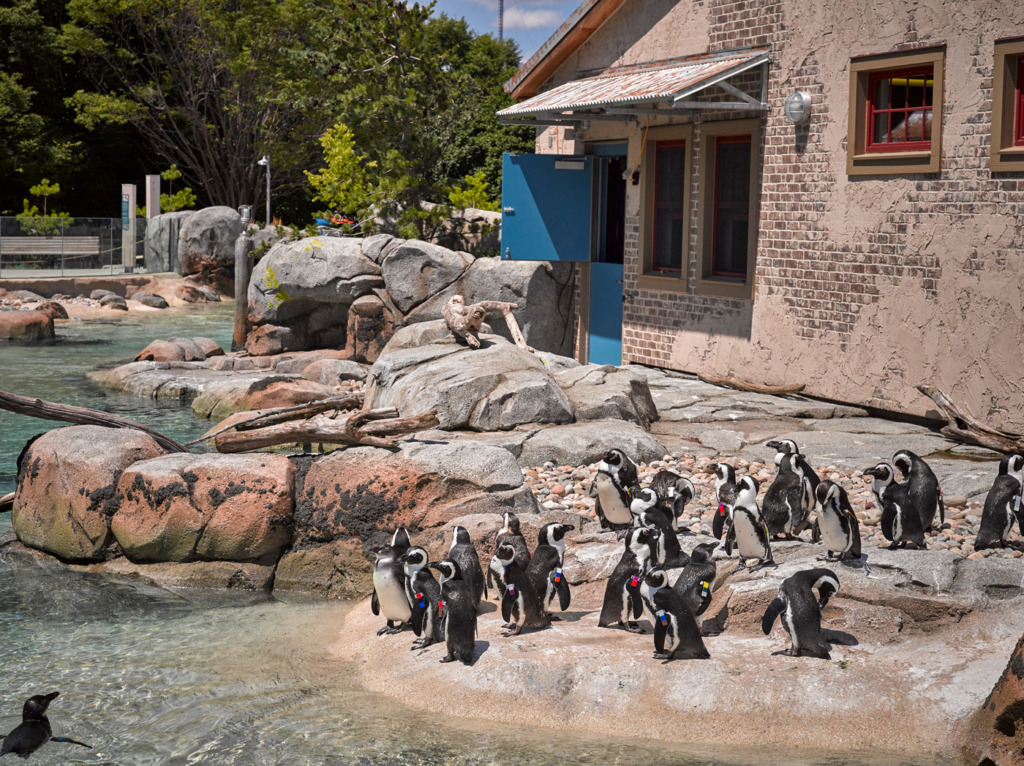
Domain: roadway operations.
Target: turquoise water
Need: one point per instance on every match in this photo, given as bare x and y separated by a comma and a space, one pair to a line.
152, 676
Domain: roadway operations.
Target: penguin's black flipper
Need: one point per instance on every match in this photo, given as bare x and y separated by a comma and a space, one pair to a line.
506, 603
659, 633
718, 522
70, 741
636, 602
705, 598
419, 611
771, 613
374, 603
730, 540
561, 588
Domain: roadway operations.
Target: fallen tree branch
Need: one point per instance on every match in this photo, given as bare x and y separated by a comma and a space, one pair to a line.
349, 431
284, 414
6, 502
83, 416
746, 385
963, 427
465, 321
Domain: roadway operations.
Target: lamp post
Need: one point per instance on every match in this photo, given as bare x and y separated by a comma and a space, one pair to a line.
243, 271
265, 161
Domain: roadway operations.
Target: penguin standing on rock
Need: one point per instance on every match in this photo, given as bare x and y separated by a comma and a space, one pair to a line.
34, 730
545, 570
520, 604
670, 555
615, 479
1002, 506
801, 613
922, 488
622, 602
423, 593
697, 580
675, 627
389, 596
673, 492
788, 447
790, 498
748, 529
901, 522
725, 491
837, 524
458, 613
463, 553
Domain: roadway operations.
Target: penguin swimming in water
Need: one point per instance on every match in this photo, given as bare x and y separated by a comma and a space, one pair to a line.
801, 613
901, 523
697, 580
788, 502
423, 593
400, 541
463, 553
622, 602
389, 590
748, 529
520, 604
670, 555
458, 613
615, 479
673, 492
922, 488
837, 524
725, 492
675, 628
545, 570
34, 730
1002, 506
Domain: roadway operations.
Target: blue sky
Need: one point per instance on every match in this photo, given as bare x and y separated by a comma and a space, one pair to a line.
528, 22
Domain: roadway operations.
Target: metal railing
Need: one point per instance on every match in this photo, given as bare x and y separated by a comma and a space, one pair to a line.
52, 246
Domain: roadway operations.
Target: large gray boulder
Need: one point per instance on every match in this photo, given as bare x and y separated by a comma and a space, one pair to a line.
416, 271
496, 387
206, 241
162, 234
604, 391
587, 442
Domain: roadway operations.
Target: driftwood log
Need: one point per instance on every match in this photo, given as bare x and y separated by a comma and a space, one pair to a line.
746, 385
965, 428
284, 414
464, 321
83, 416
6, 502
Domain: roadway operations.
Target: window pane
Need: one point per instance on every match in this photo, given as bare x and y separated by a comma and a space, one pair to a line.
669, 194
900, 109
1018, 135
732, 207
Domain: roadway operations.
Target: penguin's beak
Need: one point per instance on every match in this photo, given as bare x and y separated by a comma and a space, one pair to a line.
711, 468
870, 472
772, 445
569, 526
434, 565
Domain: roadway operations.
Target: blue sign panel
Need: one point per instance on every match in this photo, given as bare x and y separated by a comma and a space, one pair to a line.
126, 201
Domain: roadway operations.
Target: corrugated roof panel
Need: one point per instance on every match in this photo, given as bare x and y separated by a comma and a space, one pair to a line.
638, 84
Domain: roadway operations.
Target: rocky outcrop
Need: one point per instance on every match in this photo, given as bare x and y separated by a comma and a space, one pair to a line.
603, 392
220, 399
150, 300
162, 234
186, 507
180, 350
587, 442
67, 480
994, 736
206, 242
26, 326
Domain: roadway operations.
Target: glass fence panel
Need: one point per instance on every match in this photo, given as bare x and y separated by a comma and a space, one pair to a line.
52, 246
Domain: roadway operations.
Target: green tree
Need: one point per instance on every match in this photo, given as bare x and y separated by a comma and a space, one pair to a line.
47, 223
473, 193
343, 184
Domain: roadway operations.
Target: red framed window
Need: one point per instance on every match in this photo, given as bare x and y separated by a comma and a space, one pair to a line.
729, 248
669, 205
1018, 112
899, 110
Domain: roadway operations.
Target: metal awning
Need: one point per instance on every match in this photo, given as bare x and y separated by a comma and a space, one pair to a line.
663, 88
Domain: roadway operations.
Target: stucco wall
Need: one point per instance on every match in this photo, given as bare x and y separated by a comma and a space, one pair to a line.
865, 285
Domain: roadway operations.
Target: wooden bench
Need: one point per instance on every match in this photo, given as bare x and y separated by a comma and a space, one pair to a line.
18, 248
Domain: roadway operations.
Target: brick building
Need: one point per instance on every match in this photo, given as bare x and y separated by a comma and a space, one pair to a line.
869, 240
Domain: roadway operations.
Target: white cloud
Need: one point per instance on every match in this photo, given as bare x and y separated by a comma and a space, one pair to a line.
516, 18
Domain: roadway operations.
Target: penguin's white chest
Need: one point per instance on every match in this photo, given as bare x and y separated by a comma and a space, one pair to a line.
393, 602
832, 530
614, 509
748, 541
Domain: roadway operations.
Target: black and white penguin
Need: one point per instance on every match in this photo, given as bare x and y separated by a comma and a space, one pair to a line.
622, 602
457, 609
748, 529
400, 541
725, 493
614, 482
463, 553
34, 730
789, 447
922, 487
696, 582
1002, 506
389, 596
511, 533
545, 570
618, 464
520, 604
837, 524
675, 628
670, 555
673, 492
788, 502
801, 612
423, 593
901, 522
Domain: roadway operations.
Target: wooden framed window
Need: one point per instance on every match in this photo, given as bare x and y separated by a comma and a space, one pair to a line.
1007, 147
665, 232
895, 121
728, 208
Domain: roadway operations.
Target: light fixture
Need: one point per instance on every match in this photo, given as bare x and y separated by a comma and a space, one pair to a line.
797, 107
245, 214
265, 161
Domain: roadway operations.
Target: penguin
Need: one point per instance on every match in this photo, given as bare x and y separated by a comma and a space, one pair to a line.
642, 500
922, 488
673, 492
675, 628
837, 524
901, 523
697, 580
788, 502
511, 534
545, 570
389, 590
400, 541
463, 553
615, 479
788, 447
801, 613
725, 492
457, 610
34, 730
670, 555
423, 592
748, 529
622, 602
1002, 506
520, 604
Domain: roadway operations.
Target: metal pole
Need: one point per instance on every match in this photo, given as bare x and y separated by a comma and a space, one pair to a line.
243, 270
268, 191
501, 20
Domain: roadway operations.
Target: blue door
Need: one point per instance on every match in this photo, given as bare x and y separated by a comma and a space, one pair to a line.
546, 207
605, 339
605, 313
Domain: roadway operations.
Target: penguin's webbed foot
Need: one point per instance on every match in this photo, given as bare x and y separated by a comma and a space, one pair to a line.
554, 618
661, 655
448, 658
633, 627
389, 630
